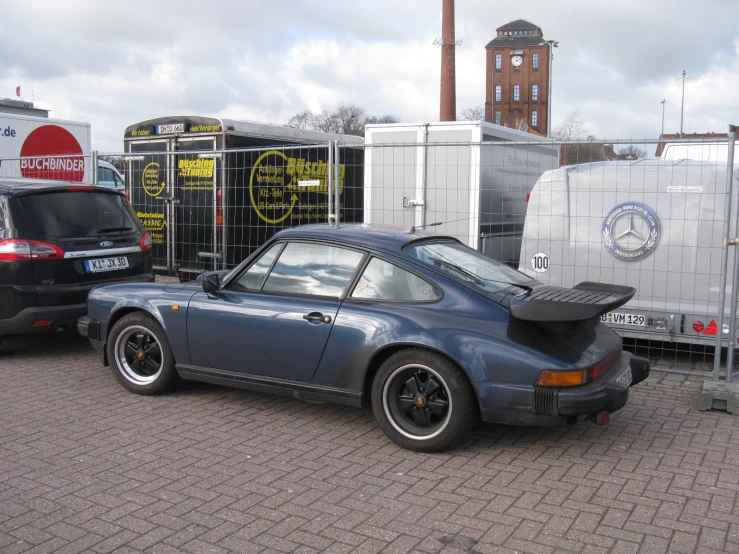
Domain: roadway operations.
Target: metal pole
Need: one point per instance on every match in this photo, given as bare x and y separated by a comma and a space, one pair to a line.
330, 183
724, 261
337, 183
682, 105
735, 273
94, 168
664, 101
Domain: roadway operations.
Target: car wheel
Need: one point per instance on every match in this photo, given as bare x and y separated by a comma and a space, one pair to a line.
423, 401
140, 356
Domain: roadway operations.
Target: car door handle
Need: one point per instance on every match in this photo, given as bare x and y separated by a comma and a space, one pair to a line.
317, 317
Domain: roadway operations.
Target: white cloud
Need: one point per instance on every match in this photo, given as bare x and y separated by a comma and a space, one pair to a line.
121, 63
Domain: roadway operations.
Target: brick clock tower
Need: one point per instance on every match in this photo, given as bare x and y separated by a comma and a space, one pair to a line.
518, 78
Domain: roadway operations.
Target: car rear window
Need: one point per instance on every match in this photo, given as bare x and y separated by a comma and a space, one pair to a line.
72, 214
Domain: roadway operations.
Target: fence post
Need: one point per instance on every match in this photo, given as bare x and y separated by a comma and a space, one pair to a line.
724, 260
735, 272
337, 183
330, 183
94, 168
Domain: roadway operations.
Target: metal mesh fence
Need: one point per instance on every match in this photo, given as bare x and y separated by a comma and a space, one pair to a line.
562, 212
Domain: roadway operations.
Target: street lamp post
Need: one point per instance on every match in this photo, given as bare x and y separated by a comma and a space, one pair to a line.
664, 101
552, 44
682, 105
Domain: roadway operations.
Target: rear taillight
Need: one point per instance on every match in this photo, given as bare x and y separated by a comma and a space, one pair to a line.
145, 242
14, 250
128, 194
555, 378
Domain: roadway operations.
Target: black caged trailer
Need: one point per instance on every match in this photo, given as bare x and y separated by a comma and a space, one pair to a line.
211, 191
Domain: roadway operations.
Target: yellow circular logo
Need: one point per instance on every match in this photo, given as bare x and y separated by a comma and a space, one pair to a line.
150, 180
267, 188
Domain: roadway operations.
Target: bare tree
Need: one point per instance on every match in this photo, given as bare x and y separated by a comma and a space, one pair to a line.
345, 119
632, 152
572, 128
476, 113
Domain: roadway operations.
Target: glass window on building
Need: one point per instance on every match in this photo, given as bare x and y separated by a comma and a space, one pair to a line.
498, 93
498, 61
535, 60
497, 118
516, 93
534, 92
534, 118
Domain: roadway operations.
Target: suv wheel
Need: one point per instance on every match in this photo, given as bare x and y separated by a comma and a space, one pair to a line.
423, 401
141, 357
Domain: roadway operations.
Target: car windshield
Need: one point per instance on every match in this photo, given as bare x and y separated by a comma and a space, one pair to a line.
469, 265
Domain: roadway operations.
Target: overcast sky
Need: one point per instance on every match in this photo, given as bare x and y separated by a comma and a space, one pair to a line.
115, 63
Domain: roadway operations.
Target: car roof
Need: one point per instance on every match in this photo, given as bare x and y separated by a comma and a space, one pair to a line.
377, 237
17, 187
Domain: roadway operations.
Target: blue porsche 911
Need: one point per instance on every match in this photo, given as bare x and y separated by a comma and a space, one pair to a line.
434, 335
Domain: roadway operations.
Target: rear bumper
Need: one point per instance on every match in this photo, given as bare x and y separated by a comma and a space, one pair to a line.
607, 395
53, 318
521, 405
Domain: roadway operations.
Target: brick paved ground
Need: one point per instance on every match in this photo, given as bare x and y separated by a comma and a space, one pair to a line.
87, 466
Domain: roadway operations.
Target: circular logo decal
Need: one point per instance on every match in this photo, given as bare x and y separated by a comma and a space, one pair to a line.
153, 186
630, 231
540, 262
52, 152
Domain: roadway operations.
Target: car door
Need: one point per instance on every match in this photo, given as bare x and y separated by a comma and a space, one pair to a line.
274, 319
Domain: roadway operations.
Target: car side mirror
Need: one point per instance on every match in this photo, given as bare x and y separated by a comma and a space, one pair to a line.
211, 283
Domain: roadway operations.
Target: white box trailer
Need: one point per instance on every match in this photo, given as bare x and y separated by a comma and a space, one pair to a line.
44, 148
55, 149
656, 225
456, 173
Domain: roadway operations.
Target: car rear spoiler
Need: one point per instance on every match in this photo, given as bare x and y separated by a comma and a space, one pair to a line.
583, 302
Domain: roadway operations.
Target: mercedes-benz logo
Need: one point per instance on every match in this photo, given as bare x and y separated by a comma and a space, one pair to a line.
630, 231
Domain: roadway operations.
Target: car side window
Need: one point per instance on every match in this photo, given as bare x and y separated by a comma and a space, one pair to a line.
105, 177
382, 280
253, 277
314, 269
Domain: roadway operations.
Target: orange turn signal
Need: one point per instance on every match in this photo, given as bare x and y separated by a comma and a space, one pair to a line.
549, 378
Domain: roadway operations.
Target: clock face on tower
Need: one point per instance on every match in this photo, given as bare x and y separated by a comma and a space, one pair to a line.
516, 61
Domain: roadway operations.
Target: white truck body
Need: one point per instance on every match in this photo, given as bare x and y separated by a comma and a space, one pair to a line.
45, 148
424, 173
656, 225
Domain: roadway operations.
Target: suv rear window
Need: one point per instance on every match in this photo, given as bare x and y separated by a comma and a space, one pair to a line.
72, 214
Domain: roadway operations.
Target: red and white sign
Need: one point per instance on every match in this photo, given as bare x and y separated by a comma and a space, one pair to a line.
52, 152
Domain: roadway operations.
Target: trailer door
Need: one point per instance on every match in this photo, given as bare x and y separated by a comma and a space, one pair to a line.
196, 242
147, 178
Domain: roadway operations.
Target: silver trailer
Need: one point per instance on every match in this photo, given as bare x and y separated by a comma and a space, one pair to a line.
459, 173
656, 225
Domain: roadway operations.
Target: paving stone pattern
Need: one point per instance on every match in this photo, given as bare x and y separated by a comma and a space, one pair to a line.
87, 466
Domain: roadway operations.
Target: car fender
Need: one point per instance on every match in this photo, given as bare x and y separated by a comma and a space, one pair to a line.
167, 307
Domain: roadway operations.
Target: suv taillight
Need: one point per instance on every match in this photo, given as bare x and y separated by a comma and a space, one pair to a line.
14, 250
145, 243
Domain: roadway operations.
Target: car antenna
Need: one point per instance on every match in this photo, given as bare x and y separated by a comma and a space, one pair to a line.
414, 227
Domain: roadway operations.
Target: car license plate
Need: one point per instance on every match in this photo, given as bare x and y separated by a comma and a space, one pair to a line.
625, 377
106, 264
620, 318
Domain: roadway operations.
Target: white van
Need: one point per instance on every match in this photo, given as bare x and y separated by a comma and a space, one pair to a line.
656, 225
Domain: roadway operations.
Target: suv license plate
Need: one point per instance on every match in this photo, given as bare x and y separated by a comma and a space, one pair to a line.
106, 264
625, 377
619, 318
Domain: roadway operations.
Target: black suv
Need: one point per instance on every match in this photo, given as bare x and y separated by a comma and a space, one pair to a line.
57, 242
